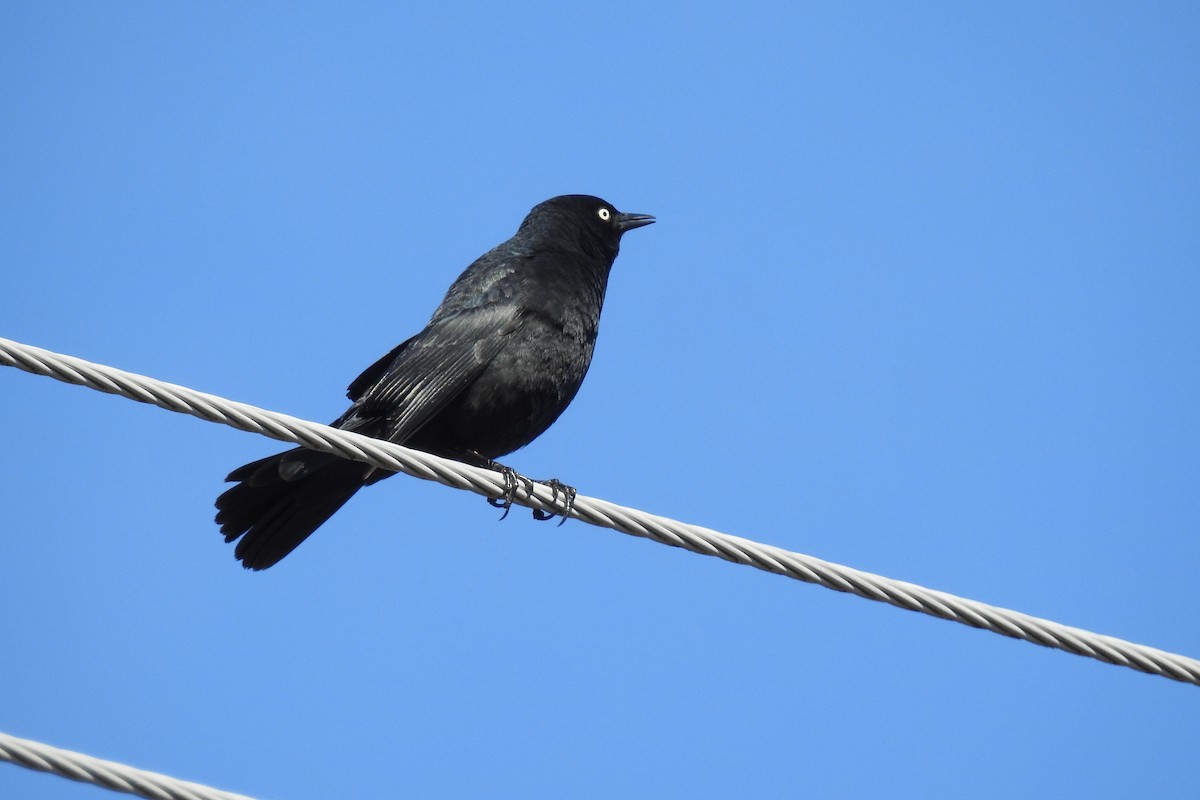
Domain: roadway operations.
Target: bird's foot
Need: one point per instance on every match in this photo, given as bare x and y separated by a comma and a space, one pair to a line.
512, 479
568, 501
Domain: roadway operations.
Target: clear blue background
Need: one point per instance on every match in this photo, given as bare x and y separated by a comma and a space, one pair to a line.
924, 299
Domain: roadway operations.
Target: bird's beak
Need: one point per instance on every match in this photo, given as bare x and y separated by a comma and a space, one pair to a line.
627, 222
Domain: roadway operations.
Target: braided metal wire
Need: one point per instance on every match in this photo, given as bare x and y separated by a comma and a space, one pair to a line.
109, 774
599, 512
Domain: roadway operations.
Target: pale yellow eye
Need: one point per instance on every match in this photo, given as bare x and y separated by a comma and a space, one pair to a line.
605, 214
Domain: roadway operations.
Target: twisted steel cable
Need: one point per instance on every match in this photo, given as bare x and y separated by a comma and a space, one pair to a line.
697, 539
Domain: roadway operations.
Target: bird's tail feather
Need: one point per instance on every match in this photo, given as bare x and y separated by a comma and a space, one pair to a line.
283, 498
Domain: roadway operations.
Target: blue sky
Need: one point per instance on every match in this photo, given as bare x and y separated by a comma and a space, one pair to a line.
922, 300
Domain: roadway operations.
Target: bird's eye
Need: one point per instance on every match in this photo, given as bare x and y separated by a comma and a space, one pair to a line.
605, 214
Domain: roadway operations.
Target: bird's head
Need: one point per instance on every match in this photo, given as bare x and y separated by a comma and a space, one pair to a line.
590, 217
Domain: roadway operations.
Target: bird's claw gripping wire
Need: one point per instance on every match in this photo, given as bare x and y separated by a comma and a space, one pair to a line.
568, 501
512, 479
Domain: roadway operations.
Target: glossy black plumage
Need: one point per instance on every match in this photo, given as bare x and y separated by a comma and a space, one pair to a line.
500, 360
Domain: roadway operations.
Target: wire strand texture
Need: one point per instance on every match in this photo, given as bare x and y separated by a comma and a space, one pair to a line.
109, 774
697, 539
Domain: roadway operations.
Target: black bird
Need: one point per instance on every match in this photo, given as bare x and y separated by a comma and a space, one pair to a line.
500, 360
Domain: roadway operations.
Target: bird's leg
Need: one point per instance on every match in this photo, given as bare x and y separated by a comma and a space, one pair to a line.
568, 501
512, 479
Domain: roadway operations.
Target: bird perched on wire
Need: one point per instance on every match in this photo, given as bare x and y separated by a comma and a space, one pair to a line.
500, 360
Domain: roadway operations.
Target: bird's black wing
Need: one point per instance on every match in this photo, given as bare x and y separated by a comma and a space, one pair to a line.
282, 499
428, 371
